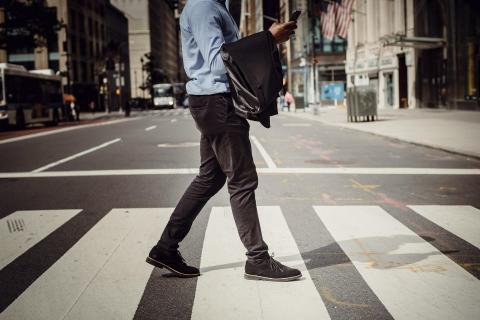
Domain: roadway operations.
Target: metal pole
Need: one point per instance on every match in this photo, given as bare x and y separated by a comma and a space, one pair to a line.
67, 61
313, 64
454, 51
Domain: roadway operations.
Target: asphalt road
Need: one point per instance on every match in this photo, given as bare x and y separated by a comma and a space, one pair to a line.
382, 229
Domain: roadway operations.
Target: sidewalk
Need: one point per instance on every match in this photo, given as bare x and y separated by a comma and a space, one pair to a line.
451, 130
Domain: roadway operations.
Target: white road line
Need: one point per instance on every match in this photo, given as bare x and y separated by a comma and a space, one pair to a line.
47, 133
22, 230
296, 124
179, 145
326, 171
56, 163
102, 276
150, 128
463, 221
270, 163
410, 277
223, 293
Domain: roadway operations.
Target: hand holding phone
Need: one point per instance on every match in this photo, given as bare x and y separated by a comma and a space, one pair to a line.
295, 15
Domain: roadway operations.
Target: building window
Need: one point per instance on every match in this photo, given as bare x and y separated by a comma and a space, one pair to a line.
73, 44
75, 71
323, 45
81, 23
95, 30
83, 47
91, 49
92, 71
84, 72
90, 26
73, 20
337, 45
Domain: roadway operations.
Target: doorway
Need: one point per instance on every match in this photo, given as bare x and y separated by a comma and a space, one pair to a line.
388, 90
402, 82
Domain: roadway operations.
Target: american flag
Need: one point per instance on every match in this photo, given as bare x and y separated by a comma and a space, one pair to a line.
328, 21
335, 17
342, 18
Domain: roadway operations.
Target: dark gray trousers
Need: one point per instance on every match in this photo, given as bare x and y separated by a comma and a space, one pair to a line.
226, 154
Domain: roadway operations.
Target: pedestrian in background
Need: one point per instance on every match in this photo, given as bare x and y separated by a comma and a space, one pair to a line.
73, 111
224, 144
91, 105
290, 101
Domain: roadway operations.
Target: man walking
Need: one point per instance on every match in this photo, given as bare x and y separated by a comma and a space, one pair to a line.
225, 148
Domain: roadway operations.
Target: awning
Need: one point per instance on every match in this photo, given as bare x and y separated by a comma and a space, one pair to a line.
399, 40
69, 98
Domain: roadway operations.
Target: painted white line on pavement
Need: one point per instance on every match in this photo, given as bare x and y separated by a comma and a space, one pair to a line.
270, 163
117, 288
223, 293
463, 221
150, 128
410, 276
296, 124
179, 145
22, 230
340, 171
47, 133
102, 276
56, 163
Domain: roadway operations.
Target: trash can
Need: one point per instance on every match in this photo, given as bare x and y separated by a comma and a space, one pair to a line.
362, 103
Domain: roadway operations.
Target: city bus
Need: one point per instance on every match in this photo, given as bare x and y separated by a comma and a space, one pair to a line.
28, 97
168, 95
163, 95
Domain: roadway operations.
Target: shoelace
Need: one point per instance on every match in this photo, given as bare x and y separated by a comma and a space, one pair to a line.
181, 257
274, 264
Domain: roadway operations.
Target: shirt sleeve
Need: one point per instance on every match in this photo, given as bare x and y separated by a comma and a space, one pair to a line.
205, 24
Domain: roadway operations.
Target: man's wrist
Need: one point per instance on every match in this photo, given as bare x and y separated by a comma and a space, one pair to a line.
276, 41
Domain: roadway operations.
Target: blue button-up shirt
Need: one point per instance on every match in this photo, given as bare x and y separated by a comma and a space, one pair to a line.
205, 25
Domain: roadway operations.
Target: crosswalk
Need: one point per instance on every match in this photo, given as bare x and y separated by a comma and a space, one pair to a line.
173, 112
104, 274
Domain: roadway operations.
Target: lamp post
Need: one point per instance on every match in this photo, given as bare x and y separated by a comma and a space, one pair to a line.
143, 79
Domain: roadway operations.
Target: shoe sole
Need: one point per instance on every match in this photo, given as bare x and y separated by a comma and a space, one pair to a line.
161, 265
255, 277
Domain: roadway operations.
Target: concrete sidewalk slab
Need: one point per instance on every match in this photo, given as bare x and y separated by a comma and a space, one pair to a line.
454, 131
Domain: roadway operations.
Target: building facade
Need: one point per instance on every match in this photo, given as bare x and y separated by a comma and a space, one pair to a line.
308, 60
78, 49
116, 90
152, 30
416, 53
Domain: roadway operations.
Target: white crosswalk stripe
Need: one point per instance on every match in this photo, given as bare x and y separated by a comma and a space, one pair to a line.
104, 274
410, 276
223, 267
173, 112
101, 277
23, 229
463, 221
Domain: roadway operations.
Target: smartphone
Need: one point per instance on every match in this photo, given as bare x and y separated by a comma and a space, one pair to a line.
295, 15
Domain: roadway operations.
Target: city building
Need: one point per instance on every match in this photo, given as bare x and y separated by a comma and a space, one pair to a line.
117, 89
77, 49
152, 30
309, 60
416, 53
